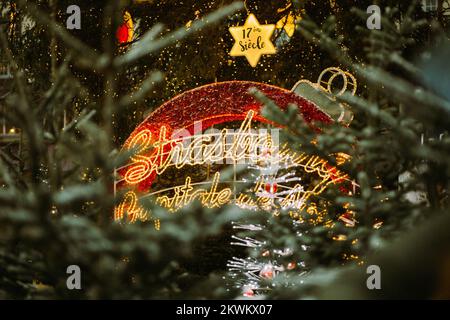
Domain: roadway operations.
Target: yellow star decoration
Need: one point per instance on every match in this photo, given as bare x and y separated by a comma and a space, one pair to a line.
252, 40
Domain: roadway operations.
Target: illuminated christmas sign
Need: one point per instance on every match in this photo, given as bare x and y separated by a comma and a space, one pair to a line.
208, 129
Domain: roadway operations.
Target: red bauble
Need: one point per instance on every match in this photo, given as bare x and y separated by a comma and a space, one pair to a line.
248, 292
267, 271
291, 265
271, 187
122, 34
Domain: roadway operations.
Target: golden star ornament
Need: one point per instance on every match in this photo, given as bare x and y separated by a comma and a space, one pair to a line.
252, 40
